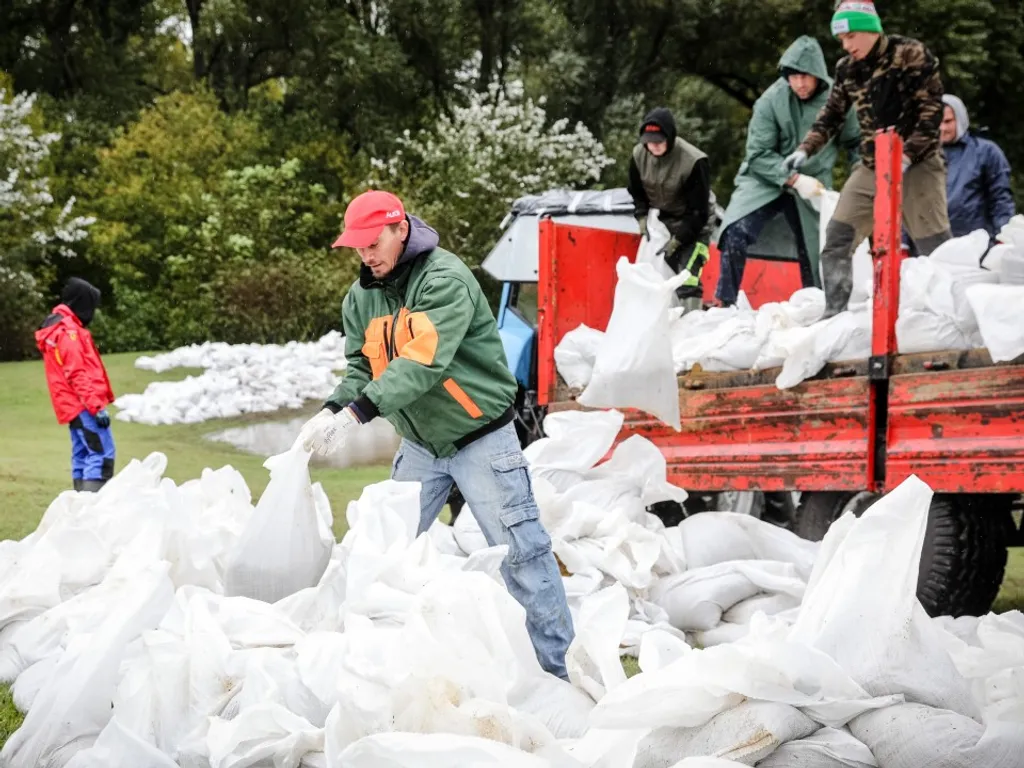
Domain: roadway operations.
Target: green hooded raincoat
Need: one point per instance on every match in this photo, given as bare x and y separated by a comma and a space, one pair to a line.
779, 123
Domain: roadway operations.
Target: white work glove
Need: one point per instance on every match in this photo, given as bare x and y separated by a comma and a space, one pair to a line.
795, 160
808, 187
326, 431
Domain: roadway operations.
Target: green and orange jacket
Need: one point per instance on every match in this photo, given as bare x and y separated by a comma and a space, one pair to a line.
423, 349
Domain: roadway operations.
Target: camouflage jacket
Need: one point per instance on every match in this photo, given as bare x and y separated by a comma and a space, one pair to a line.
897, 85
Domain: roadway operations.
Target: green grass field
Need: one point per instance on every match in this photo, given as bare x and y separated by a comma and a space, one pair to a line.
34, 466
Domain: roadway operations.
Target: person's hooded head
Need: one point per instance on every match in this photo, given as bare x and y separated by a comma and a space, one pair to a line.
82, 298
858, 26
803, 65
658, 131
955, 120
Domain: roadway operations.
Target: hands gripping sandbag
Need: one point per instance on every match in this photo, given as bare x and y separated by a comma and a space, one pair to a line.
286, 545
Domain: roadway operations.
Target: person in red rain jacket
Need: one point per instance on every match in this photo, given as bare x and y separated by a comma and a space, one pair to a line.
78, 382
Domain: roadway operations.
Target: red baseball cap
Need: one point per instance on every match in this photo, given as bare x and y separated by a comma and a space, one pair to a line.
366, 217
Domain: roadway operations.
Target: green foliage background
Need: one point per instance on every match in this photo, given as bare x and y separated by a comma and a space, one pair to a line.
216, 142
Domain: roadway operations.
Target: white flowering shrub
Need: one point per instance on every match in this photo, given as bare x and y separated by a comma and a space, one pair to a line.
462, 174
34, 228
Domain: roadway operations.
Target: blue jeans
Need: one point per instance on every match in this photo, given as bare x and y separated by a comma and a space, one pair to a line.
492, 475
737, 238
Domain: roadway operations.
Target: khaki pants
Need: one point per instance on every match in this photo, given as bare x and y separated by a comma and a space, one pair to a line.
924, 215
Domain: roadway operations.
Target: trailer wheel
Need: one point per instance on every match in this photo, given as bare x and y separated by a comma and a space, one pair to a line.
964, 553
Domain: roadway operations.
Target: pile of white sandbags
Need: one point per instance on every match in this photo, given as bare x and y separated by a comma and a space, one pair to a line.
129, 629
961, 297
240, 378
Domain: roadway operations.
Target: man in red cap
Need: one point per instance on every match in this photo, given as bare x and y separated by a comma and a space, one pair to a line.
424, 352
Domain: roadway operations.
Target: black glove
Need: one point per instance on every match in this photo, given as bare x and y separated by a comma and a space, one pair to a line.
102, 418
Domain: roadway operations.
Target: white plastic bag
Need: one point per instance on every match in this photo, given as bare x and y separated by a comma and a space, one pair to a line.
634, 367
433, 750
117, 747
996, 309
862, 609
286, 545
844, 336
927, 320
576, 353
264, 734
651, 247
593, 657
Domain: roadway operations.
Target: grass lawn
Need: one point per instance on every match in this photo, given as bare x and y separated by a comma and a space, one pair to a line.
35, 461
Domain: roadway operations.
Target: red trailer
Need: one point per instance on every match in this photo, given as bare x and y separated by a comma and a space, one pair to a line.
955, 419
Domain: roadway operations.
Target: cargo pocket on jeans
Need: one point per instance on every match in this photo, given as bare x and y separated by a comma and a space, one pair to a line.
527, 538
512, 478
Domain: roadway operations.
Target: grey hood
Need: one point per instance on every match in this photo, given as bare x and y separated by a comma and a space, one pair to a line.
963, 121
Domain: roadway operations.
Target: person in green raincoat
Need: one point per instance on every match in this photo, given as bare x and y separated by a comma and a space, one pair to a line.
770, 213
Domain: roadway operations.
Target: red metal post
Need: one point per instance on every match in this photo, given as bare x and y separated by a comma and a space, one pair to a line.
546, 310
888, 249
887, 256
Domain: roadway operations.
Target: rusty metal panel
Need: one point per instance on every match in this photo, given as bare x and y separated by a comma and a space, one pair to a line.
811, 438
961, 431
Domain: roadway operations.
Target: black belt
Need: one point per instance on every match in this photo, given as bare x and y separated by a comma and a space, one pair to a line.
506, 418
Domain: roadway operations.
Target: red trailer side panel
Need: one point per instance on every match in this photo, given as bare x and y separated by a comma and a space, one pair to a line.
959, 431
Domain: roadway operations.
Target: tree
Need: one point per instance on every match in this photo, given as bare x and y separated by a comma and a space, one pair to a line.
463, 173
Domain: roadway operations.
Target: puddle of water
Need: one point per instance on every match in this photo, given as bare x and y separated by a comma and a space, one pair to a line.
371, 444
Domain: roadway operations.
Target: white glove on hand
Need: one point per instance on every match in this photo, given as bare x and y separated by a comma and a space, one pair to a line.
808, 187
326, 431
795, 160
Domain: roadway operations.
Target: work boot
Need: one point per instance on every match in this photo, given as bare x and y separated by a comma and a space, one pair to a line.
92, 486
76, 483
837, 267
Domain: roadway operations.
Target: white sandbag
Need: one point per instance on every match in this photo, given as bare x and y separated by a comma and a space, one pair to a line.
862, 608
701, 683
736, 346
561, 707
593, 656
286, 544
962, 253
30, 576
74, 705
914, 735
927, 320
746, 733
844, 336
576, 353
31, 681
705, 762
652, 247
768, 604
434, 750
696, 599
634, 367
999, 324
806, 306
863, 276
263, 734
117, 747
827, 748
468, 534
696, 333
715, 537
966, 319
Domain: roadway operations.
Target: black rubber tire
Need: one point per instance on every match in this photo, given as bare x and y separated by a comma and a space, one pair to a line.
964, 554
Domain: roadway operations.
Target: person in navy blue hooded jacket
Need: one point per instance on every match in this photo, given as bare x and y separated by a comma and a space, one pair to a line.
978, 194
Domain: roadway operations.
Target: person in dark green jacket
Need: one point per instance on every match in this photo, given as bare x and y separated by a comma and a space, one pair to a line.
424, 352
770, 213
674, 177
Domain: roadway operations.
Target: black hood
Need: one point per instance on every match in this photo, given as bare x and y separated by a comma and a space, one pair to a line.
661, 117
422, 239
82, 298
